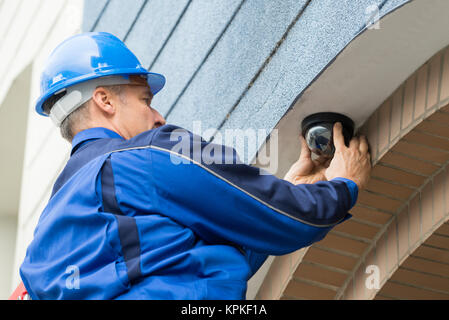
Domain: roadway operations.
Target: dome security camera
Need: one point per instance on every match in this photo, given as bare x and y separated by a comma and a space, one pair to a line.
317, 130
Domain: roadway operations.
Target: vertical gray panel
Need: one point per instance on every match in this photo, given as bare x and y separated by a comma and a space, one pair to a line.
153, 26
195, 35
92, 11
119, 16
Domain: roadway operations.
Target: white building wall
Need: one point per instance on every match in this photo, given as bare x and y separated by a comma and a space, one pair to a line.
29, 31
8, 229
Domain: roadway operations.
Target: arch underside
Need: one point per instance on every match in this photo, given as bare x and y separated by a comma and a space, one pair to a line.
398, 97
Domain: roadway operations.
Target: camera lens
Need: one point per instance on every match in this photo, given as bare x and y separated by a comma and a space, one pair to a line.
317, 129
319, 139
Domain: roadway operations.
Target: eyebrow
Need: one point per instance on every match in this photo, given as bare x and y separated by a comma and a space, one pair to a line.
148, 92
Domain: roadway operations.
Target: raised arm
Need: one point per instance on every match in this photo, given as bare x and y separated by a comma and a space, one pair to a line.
226, 202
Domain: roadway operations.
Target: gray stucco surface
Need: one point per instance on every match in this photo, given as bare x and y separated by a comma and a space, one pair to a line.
118, 16
156, 22
92, 12
197, 32
234, 63
236, 59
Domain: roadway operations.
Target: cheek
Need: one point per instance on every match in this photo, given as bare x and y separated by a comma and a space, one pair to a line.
147, 116
137, 114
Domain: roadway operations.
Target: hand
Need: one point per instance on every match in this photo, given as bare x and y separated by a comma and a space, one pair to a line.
353, 162
306, 170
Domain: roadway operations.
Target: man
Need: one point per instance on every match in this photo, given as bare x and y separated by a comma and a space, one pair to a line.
133, 217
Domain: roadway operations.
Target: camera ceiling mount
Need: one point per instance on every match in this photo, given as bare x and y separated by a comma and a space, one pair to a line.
317, 129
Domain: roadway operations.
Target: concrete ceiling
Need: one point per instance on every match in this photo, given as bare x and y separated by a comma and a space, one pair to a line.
368, 70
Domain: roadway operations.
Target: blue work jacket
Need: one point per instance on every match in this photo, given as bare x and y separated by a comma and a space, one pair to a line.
153, 218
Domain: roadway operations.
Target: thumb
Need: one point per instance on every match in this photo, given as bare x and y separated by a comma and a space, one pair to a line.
339, 140
305, 151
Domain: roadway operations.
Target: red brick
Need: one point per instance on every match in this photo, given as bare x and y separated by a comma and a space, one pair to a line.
410, 293
445, 77
444, 108
434, 80
372, 134
438, 116
370, 215
396, 111
381, 297
357, 229
427, 140
337, 242
435, 254
443, 230
421, 152
433, 127
378, 201
381, 256
421, 92
390, 189
280, 272
409, 101
359, 283
397, 175
384, 124
403, 162
415, 221
330, 259
349, 292
264, 292
438, 241
418, 264
421, 280
392, 248
403, 234
427, 208
446, 194
307, 291
319, 274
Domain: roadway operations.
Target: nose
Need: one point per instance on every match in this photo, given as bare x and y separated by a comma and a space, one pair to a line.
159, 120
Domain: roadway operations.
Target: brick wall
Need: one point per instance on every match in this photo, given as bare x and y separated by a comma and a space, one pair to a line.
400, 222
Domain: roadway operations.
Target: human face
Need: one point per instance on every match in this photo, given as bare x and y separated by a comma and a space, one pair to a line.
137, 115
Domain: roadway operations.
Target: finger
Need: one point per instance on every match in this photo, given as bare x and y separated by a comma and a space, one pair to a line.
363, 146
354, 143
339, 140
321, 160
305, 151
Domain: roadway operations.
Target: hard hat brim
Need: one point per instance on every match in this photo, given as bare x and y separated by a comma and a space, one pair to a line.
156, 82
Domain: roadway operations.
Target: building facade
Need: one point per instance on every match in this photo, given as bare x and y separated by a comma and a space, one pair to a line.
260, 67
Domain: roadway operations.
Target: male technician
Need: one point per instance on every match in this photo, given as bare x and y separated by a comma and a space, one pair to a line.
132, 216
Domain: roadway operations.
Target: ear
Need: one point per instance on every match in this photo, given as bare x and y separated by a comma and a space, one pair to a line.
103, 99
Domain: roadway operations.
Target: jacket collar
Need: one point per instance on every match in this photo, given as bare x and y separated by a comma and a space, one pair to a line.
92, 134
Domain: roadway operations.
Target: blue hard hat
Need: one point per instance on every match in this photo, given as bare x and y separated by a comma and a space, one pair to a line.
88, 56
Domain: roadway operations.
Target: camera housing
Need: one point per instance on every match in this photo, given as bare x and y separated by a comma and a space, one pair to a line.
317, 129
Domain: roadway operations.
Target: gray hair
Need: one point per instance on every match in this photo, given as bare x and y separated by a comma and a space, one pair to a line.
79, 116
77, 120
